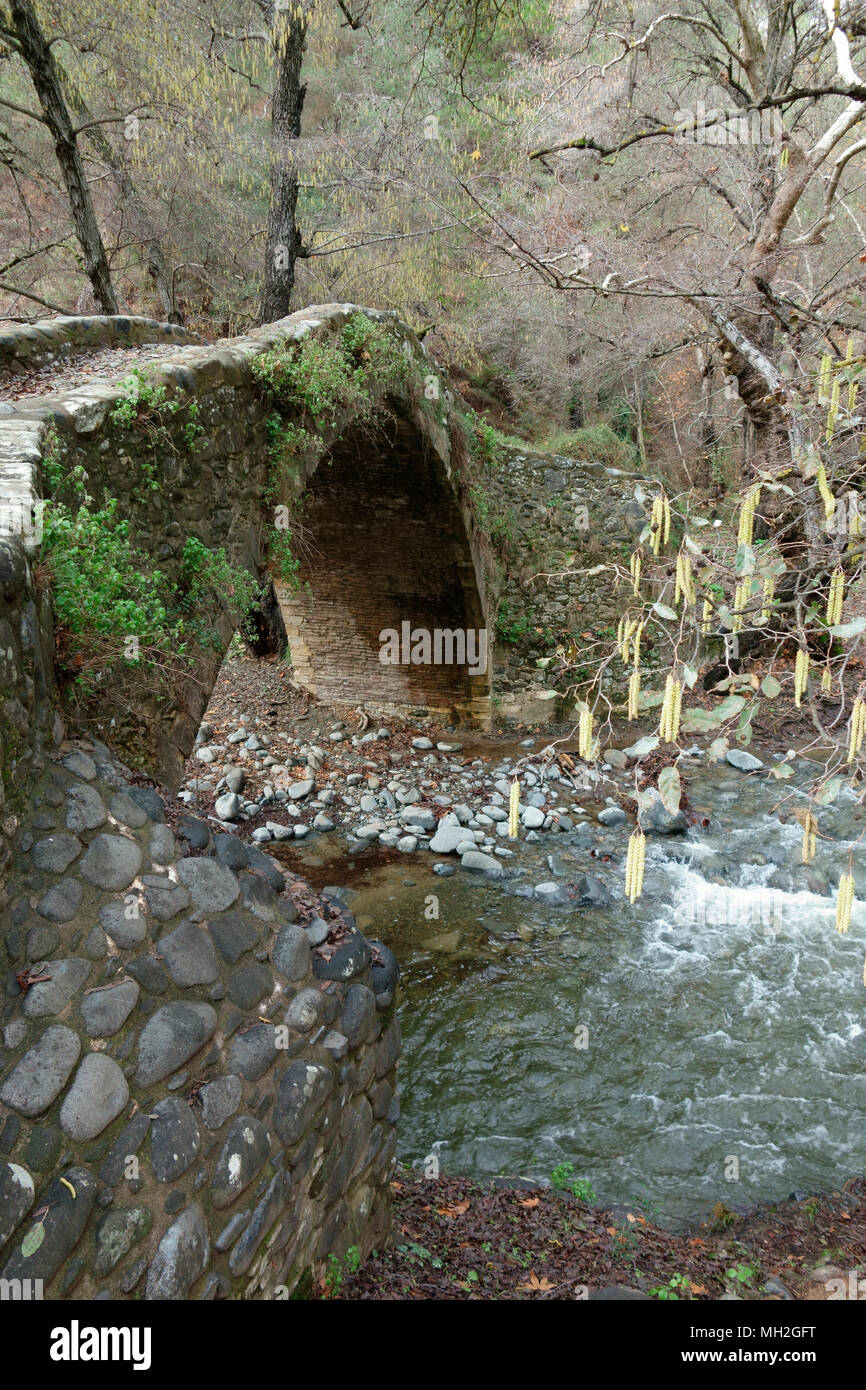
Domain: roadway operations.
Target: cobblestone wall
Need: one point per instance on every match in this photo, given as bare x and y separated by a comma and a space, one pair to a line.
197, 1071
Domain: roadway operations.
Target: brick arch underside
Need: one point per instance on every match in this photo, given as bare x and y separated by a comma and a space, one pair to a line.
383, 542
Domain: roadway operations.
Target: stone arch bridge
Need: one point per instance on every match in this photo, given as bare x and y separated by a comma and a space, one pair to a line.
198, 1091
385, 532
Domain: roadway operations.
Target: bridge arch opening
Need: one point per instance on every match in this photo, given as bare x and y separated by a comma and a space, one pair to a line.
387, 612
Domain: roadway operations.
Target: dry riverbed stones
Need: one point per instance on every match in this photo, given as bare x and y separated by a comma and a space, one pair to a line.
192, 1076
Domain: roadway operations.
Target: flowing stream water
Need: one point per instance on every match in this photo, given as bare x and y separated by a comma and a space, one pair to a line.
707, 1044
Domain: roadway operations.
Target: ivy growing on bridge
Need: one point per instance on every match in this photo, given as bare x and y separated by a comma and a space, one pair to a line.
310, 383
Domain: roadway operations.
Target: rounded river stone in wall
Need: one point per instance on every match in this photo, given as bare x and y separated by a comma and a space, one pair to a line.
211, 885
111, 862
125, 921
70, 1201
84, 809
181, 1257
173, 1035
304, 1088
219, 1100
42, 1072
95, 1098
106, 1010
291, 953
174, 1139
54, 993
189, 955
16, 1198
55, 853
246, 1148
352, 958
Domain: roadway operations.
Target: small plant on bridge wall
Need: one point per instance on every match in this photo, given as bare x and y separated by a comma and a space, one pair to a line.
511, 626
280, 546
149, 409
288, 444
51, 462
114, 611
324, 377
485, 443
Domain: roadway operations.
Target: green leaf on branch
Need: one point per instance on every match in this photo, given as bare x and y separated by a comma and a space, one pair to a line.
852, 629
670, 789
698, 721
828, 793
648, 699
644, 745
745, 562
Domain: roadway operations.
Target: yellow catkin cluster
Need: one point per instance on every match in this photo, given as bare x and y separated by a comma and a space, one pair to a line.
810, 828
769, 595
741, 598
857, 728
669, 725
635, 565
685, 583
852, 395
801, 676
825, 376
660, 522
634, 865
513, 803
633, 694
826, 495
707, 618
826, 680
584, 734
833, 409
635, 645
844, 903
747, 517
836, 597
629, 629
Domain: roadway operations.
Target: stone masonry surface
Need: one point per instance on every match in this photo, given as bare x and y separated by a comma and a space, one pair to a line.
190, 1101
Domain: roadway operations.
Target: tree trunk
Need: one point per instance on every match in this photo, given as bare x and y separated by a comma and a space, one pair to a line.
266, 631
140, 220
49, 89
288, 38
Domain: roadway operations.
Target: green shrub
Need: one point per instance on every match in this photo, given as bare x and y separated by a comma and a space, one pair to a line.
510, 626
598, 443
149, 409
115, 610
324, 376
